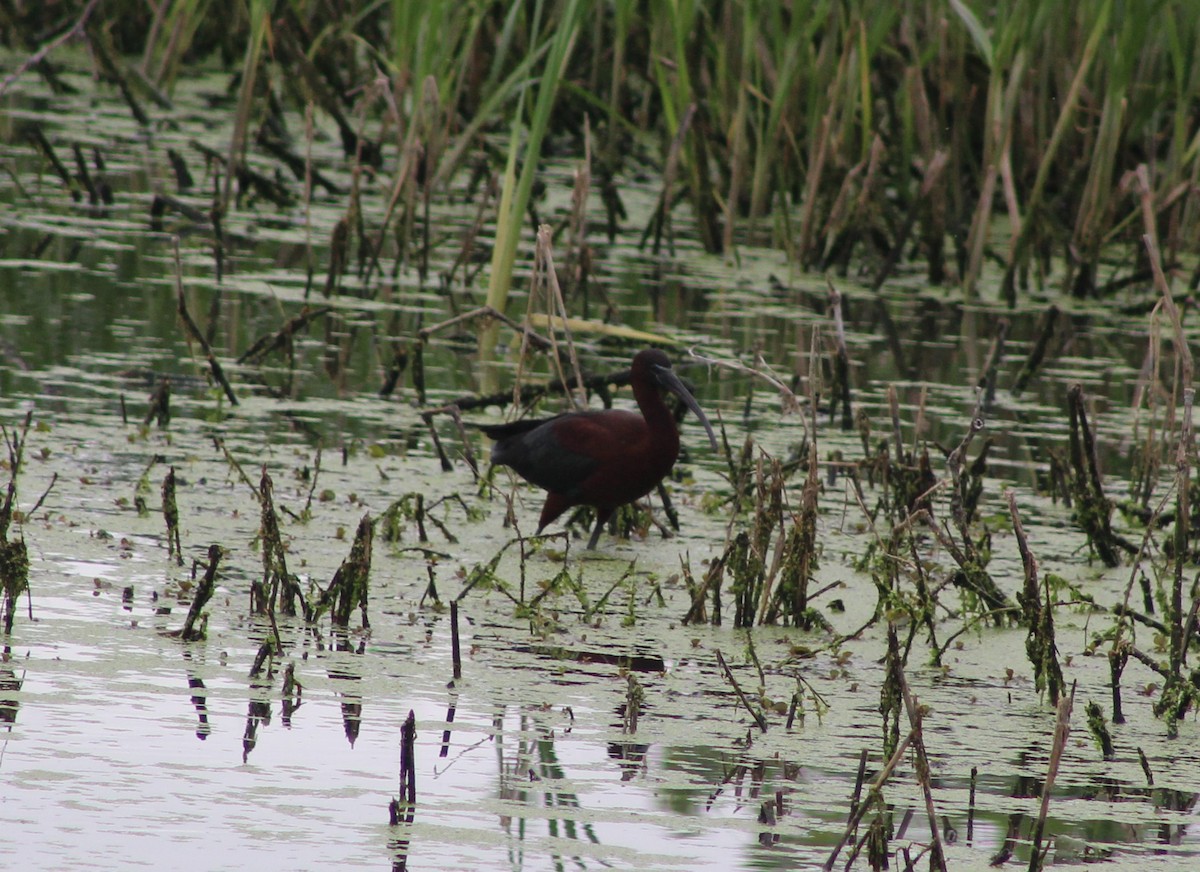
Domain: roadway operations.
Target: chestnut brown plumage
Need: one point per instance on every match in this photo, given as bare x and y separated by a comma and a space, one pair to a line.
601, 459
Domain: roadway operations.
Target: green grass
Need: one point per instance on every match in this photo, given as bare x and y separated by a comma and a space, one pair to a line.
812, 120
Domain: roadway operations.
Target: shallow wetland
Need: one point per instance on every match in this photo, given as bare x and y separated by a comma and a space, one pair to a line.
667, 702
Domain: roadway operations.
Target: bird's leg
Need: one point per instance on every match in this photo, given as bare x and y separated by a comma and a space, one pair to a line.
601, 519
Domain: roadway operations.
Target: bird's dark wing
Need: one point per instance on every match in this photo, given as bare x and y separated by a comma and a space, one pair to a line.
550, 453
500, 432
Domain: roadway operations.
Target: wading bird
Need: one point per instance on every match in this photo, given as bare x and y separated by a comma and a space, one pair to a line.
601, 459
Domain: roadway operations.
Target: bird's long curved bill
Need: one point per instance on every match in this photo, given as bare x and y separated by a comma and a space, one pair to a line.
671, 382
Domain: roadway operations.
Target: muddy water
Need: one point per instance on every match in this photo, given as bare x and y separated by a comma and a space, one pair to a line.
124, 747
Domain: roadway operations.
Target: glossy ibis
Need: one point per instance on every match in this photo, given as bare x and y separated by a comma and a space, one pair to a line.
601, 459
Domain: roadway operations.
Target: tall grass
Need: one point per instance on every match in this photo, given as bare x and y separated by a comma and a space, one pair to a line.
518, 187
259, 15
819, 118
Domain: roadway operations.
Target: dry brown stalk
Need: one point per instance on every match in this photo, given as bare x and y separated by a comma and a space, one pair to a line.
1062, 730
937, 857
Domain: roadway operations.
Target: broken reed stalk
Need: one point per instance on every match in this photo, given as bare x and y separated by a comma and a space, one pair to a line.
937, 856
748, 560
1099, 730
754, 713
873, 793
349, 586
1039, 616
893, 400
545, 283
282, 340
487, 316
455, 651
1148, 393
1045, 332
891, 696
770, 563
635, 696
800, 548
159, 407
401, 809
219, 441
171, 516
485, 573
697, 611
1093, 508
987, 377
841, 361
418, 371
412, 507
201, 595
105, 52
1146, 770
292, 692
761, 370
1118, 656
193, 331
306, 512
1179, 693
38, 139
856, 797
961, 504
42, 498
278, 585
485, 313
468, 451
1062, 730
443, 458
971, 805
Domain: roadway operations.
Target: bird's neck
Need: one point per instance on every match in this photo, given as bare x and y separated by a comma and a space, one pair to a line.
659, 420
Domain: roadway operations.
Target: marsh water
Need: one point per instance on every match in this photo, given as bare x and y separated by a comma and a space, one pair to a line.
124, 747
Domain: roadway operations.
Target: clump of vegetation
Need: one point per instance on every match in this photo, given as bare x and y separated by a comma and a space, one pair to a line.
349, 587
195, 625
14, 556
